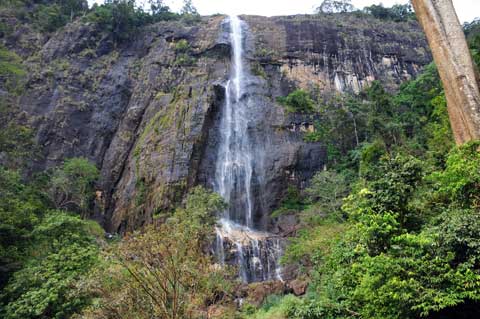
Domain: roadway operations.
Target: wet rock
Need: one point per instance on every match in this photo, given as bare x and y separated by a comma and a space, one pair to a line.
256, 293
298, 287
255, 253
286, 225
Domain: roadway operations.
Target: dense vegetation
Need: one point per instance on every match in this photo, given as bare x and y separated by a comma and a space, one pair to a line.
391, 229
398, 12
120, 18
45, 251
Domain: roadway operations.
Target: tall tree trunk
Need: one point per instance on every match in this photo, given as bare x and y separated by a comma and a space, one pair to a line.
454, 62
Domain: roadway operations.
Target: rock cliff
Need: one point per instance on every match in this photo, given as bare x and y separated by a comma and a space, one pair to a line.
146, 112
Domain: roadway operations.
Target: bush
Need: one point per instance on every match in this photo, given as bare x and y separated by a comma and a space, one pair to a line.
298, 101
182, 46
11, 70
291, 202
66, 251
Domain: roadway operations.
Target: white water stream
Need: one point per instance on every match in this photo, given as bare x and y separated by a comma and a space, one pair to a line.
256, 252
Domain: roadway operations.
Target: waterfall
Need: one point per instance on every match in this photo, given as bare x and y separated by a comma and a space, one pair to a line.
256, 251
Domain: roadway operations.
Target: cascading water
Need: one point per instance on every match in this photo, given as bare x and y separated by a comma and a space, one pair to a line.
256, 252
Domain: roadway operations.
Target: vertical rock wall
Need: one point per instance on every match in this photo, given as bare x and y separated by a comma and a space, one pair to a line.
146, 112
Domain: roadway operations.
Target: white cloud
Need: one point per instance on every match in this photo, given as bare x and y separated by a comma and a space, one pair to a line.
467, 10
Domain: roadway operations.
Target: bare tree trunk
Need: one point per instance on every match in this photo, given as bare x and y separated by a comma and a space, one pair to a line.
454, 62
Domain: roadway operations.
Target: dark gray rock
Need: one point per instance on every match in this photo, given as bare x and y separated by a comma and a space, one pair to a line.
147, 115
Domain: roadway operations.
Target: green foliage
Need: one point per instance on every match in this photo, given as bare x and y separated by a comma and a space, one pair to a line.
370, 154
141, 192
121, 18
398, 12
377, 122
472, 31
402, 254
55, 14
405, 243
298, 101
273, 307
188, 8
65, 251
44, 254
16, 141
438, 132
182, 46
170, 276
258, 70
394, 182
11, 70
335, 6
189, 12
328, 188
182, 51
291, 202
72, 185
21, 208
460, 181
312, 242
184, 60
50, 18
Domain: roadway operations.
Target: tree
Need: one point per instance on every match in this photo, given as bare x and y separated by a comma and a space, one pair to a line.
454, 62
121, 18
158, 7
71, 185
398, 12
335, 6
65, 251
73, 8
329, 188
53, 15
189, 8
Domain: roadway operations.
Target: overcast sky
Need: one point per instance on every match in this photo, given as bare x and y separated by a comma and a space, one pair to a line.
467, 10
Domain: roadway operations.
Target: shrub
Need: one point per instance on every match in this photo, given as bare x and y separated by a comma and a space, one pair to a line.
182, 46
11, 70
298, 101
66, 251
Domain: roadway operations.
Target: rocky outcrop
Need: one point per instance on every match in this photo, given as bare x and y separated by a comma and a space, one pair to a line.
146, 112
341, 52
256, 293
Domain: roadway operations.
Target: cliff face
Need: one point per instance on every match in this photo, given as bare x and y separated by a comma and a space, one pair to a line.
147, 112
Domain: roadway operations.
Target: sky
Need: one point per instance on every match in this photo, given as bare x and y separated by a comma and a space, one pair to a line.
467, 10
